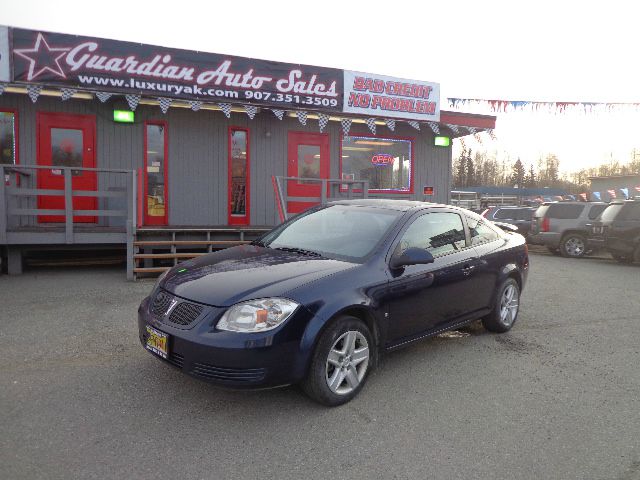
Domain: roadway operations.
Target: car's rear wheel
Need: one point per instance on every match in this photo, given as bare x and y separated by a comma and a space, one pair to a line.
506, 308
341, 362
573, 245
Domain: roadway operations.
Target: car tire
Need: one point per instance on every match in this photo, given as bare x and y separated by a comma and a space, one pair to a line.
334, 377
625, 259
553, 250
506, 308
573, 245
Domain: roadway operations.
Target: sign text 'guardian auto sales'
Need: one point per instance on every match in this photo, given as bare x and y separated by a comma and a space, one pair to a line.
103, 65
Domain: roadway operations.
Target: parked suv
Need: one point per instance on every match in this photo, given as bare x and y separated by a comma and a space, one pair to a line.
618, 231
563, 227
521, 217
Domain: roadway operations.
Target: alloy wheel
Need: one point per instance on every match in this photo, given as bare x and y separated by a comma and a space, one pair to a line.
509, 304
347, 362
574, 246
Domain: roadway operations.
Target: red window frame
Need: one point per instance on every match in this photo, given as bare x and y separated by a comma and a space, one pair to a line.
148, 220
239, 219
16, 140
395, 137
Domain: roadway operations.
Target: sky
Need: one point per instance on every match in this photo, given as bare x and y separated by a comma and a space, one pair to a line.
558, 51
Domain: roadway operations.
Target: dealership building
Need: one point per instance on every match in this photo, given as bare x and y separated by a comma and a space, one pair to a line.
173, 153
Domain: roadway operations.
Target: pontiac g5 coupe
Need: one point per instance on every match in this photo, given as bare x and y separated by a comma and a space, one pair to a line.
317, 300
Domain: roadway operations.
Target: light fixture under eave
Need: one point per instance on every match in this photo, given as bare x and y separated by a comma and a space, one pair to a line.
372, 142
49, 93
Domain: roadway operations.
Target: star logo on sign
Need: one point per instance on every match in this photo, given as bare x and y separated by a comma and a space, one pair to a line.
42, 58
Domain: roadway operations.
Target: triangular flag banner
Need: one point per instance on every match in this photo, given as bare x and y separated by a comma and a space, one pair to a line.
302, 116
195, 105
133, 101
104, 96
278, 113
612, 193
638, 188
414, 124
453, 128
434, 126
323, 119
391, 124
67, 93
226, 109
34, 92
625, 192
251, 110
2, 87
346, 125
583, 196
596, 195
471, 130
371, 123
165, 103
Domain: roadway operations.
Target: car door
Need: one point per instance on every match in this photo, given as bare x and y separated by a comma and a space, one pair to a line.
487, 242
424, 297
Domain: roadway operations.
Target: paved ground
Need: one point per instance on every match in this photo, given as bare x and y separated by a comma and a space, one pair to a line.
556, 398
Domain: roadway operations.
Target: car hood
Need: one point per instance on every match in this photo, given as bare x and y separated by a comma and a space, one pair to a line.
246, 272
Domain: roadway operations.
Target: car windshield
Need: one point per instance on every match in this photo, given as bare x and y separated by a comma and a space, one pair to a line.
339, 231
610, 213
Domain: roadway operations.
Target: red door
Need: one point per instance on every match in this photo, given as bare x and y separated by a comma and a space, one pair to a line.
308, 158
66, 141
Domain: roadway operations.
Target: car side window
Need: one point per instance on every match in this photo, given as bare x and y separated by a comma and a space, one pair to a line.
480, 232
564, 211
439, 233
629, 212
505, 214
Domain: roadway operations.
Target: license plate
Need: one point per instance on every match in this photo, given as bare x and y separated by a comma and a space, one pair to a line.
157, 342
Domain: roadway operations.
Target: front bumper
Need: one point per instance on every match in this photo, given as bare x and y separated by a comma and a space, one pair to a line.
232, 359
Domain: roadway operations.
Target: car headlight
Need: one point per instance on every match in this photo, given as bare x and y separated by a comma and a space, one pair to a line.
257, 315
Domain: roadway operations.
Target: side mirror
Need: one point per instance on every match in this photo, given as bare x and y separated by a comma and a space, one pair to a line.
411, 256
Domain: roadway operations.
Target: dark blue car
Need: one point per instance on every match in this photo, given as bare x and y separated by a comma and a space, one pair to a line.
318, 299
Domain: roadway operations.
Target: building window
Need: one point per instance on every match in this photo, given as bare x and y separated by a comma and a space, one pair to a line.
238, 176
8, 145
387, 163
155, 173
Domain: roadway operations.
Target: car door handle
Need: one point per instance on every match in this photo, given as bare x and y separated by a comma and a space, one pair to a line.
468, 269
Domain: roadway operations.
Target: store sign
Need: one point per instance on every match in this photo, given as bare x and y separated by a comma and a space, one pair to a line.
382, 160
379, 95
4, 54
115, 66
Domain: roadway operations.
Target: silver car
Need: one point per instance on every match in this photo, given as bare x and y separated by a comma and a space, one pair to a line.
563, 226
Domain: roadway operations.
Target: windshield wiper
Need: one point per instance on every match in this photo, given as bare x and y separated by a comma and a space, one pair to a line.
259, 243
302, 251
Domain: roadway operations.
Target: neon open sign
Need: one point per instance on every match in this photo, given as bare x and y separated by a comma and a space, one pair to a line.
382, 159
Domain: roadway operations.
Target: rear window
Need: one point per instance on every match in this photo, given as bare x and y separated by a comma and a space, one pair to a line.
525, 214
506, 213
595, 211
564, 211
630, 211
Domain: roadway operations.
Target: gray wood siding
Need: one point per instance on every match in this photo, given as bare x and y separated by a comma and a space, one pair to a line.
198, 154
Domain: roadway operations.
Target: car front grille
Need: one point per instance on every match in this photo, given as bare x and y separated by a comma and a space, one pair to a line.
184, 313
171, 309
161, 303
237, 375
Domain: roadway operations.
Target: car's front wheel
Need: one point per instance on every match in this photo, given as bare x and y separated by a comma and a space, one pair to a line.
341, 362
505, 309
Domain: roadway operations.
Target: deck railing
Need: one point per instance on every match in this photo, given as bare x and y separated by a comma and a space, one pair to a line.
331, 189
22, 219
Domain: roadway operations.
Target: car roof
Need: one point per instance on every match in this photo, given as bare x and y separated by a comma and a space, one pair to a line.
401, 205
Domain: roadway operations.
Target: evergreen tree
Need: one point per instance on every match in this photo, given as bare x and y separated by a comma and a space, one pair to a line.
517, 177
470, 170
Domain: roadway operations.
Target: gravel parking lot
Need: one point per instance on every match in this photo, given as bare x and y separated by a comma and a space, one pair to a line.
558, 397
